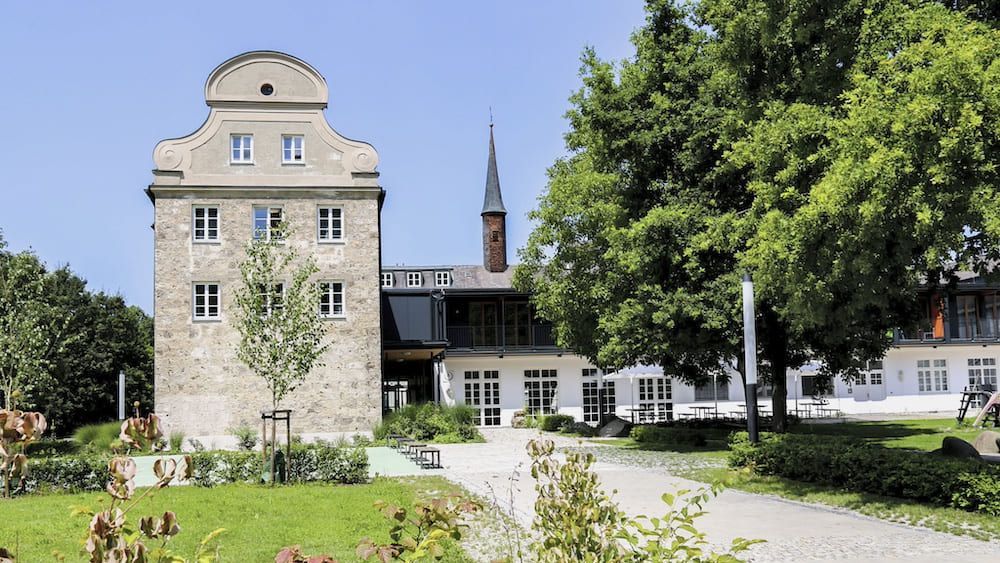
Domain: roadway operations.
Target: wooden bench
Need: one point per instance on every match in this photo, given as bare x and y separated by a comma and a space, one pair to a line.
413, 450
430, 457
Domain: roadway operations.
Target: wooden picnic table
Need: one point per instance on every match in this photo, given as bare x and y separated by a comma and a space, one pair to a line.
641, 410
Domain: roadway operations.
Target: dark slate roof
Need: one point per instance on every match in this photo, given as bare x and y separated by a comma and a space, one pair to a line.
462, 276
493, 201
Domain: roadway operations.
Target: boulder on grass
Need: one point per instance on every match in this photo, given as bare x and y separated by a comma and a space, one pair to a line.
615, 428
957, 447
987, 442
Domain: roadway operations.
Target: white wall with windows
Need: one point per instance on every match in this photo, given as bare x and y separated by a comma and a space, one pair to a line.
907, 380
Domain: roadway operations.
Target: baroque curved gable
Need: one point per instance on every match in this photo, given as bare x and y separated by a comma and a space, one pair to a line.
269, 93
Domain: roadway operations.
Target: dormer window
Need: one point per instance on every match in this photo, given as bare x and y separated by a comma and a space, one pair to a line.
386, 279
442, 279
242, 149
414, 279
292, 149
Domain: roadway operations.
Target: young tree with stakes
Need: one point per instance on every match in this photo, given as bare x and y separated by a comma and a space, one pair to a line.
282, 336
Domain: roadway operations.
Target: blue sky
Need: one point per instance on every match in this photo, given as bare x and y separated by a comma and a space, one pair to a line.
89, 88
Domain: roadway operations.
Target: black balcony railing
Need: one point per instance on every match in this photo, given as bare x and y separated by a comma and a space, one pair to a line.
496, 338
983, 330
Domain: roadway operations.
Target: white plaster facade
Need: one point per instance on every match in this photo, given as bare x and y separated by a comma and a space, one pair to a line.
201, 388
898, 393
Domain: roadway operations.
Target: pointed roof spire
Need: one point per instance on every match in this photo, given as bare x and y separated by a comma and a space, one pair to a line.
493, 201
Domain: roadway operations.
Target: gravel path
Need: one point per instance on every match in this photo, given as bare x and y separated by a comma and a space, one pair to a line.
794, 531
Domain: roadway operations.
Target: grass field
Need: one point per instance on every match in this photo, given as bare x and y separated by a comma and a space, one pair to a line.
259, 520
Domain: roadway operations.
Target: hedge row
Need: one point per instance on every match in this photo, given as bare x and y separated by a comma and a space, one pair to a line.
859, 466
308, 463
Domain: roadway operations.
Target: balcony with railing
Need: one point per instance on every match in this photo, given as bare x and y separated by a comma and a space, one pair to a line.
956, 319
500, 338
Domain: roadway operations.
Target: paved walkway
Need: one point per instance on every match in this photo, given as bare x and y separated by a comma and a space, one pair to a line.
794, 531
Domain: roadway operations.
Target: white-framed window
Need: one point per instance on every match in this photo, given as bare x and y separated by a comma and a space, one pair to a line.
414, 279
330, 224
267, 222
331, 299
709, 392
272, 300
983, 372
293, 149
241, 149
205, 223
484, 396
932, 376
387, 279
206, 302
540, 389
656, 397
442, 279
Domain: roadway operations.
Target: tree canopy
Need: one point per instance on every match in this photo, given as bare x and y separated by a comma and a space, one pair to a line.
841, 151
62, 346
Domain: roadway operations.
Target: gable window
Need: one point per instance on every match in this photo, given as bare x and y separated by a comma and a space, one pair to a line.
330, 224
205, 305
932, 376
386, 279
414, 279
442, 279
242, 149
206, 223
331, 299
292, 149
267, 223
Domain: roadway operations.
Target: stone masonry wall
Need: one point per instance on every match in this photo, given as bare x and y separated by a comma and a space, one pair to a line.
202, 389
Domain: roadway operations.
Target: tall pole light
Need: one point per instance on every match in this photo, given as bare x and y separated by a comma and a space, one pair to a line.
750, 356
121, 395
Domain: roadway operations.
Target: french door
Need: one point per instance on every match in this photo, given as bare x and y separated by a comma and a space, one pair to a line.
483, 394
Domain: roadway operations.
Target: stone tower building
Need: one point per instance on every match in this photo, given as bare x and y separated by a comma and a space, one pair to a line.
494, 217
264, 154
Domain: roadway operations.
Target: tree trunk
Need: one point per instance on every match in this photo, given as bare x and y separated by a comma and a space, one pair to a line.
775, 349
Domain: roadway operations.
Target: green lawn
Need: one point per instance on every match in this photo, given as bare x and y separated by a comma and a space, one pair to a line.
259, 520
925, 434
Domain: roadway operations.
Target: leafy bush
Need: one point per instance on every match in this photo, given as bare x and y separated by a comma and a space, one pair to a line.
576, 520
431, 422
580, 429
978, 493
98, 438
863, 467
53, 448
176, 441
246, 437
554, 422
78, 473
308, 463
658, 435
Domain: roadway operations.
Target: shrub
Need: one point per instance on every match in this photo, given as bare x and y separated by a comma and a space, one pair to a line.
53, 448
580, 429
246, 437
978, 493
431, 422
859, 466
98, 438
176, 441
308, 463
80, 473
554, 422
658, 435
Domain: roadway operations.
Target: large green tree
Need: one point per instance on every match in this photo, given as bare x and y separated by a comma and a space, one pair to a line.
820, 145
62, 346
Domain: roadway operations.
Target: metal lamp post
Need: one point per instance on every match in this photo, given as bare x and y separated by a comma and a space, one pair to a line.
750, 357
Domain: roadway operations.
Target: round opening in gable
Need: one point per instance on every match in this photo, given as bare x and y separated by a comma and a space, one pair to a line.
267, 89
